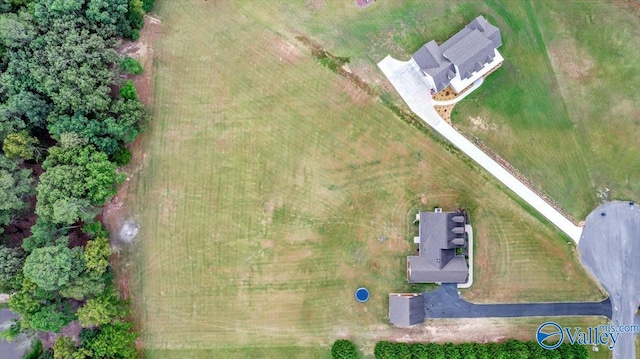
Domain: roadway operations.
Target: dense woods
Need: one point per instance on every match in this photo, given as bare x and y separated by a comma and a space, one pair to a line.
66, 115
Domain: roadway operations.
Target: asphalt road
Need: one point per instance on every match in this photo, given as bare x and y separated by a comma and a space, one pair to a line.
447, 303
610, 249
11, 350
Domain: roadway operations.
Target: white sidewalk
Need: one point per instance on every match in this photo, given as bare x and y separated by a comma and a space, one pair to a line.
407, 81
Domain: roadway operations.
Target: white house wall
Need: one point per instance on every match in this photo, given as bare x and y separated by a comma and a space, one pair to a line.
458, 84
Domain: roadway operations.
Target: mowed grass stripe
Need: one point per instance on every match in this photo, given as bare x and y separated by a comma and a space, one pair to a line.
267, 183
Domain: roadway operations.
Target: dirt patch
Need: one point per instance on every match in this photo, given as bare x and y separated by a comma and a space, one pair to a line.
356, 95
315, 5
286, 51
571, 61
142, 50
479, 124
77, 238
71, 330
481, 330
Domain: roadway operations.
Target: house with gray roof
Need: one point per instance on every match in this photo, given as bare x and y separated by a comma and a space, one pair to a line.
441, 248
461, 60
406, 309
442, 244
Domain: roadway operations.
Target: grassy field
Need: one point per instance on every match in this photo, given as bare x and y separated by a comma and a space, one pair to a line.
562, 109
565, 90
267, 179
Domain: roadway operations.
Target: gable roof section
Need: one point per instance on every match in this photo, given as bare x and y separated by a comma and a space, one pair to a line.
490, 32
440, 235
430, 60
470, 49
406, 309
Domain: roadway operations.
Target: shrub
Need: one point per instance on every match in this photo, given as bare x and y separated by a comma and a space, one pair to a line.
384, 350
343, 349
147, 5
122, 157
128, 91
36, 350
95, 229
131, 66
136, 16
12, 331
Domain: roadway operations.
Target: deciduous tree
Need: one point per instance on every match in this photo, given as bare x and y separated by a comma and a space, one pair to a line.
11, 261
85, 285
53, 267
102, 309
64, 348
15, 185
76, 179
96, 254
20, 145
114, 340
51, 318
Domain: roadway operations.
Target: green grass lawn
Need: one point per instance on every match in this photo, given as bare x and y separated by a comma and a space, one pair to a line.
562, 109
267, 179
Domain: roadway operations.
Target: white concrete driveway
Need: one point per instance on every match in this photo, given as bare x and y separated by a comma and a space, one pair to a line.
407, 81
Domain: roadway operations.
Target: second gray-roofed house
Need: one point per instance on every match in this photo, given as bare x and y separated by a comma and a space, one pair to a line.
461, 60
406, 309
441, 249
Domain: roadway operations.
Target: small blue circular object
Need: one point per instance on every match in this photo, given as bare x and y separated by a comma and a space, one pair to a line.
362, 295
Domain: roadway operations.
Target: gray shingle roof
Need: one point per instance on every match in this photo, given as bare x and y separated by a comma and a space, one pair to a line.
429, 58
440, 235
471, 48
406, 309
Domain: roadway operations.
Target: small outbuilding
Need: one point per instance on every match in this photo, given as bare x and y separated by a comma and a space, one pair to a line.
406, 309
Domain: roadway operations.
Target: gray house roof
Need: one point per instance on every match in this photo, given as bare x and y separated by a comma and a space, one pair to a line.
440, 235
406, 309
469, 49
472, 49
429, 58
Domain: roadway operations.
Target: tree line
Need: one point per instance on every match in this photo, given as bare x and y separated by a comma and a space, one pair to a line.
511, 349
66, 116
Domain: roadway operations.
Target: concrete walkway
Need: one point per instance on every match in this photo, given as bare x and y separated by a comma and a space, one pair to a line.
459, 98
469, 229
407, 81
